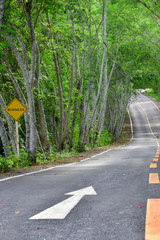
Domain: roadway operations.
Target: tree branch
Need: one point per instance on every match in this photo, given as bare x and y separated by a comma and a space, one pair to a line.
149, 8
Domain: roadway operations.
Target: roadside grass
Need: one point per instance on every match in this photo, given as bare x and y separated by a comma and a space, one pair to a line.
154, 95
14, 162
21, 163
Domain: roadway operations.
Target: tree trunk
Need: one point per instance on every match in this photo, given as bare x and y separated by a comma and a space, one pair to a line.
1, 11
41, 114
65, 131
29, 88
10, 126
4, 138
43, 128
56, 62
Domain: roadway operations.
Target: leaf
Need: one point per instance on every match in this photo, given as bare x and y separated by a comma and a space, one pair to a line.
17, 212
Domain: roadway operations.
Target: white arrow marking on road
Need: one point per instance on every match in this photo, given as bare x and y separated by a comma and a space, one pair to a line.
61, 210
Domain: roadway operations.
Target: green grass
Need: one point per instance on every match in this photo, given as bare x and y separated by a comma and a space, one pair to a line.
55, 157
14, 162
154, 95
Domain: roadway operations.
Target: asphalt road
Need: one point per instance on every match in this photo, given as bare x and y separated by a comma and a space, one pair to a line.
119, 177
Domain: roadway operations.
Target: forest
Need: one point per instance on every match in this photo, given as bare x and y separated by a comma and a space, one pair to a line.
75, 65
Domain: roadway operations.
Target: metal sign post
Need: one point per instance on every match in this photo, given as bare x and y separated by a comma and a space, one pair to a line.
17, 138
16, 109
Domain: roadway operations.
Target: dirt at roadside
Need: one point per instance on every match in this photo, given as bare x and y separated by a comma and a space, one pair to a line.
124, 139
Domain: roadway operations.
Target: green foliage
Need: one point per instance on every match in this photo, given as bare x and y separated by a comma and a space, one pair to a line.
79, 146
154, 95
5, 164
105, 138
54, 157
76, 43
14, 161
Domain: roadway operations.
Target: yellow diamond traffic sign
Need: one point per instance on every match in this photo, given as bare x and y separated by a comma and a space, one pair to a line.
15, 109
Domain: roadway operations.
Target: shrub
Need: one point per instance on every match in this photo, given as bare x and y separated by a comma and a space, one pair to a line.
5, 164
104, 139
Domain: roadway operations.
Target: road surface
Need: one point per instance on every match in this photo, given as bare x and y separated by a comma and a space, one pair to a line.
108, 197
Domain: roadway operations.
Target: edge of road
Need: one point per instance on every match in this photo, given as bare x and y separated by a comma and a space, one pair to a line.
83, 160
70, 164
151, 101
131, 123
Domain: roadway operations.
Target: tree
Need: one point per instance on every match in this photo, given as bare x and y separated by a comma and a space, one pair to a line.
74, 64
1, 11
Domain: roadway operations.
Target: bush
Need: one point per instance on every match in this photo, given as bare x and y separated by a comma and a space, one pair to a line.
5, 164
153, 94
14, 161
79, 147
105, 139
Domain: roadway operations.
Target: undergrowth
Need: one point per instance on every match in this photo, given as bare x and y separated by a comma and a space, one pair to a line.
15, 162
154, 95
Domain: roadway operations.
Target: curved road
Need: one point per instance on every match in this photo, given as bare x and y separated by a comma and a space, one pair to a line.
118, 192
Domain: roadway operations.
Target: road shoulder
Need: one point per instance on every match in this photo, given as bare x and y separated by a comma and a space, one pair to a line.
125, 138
